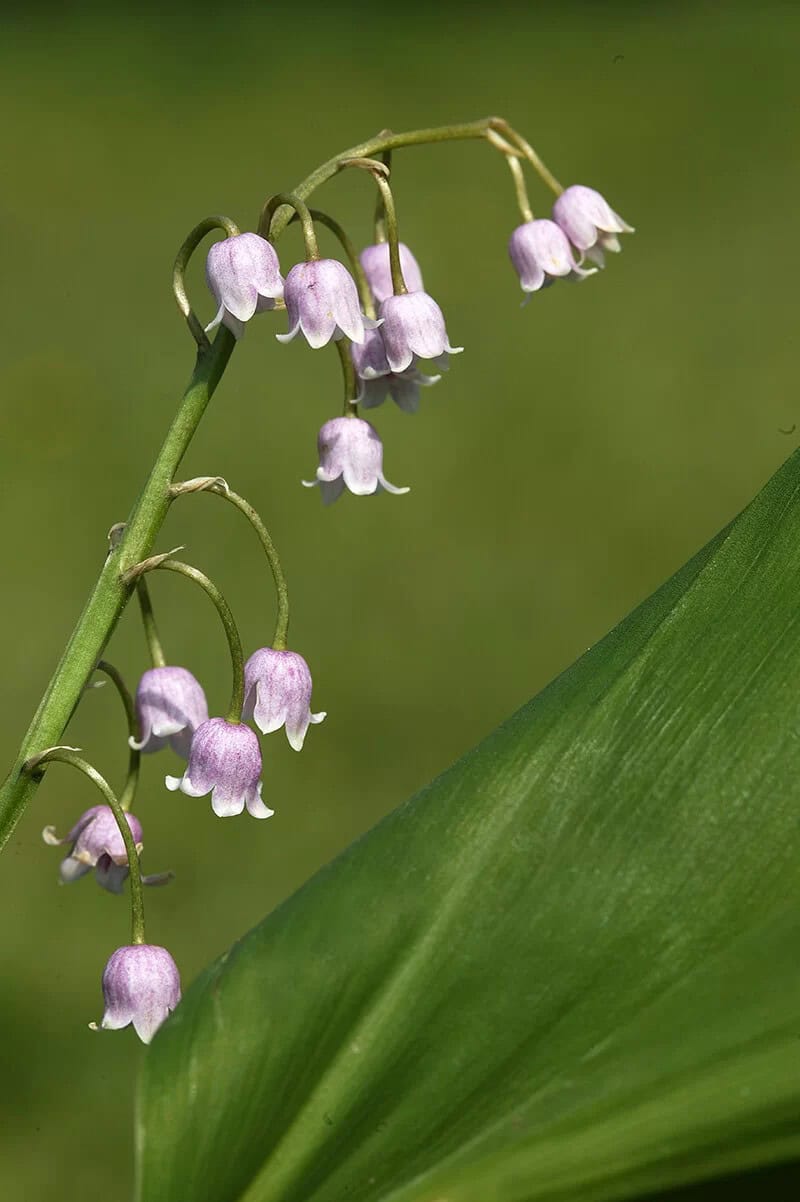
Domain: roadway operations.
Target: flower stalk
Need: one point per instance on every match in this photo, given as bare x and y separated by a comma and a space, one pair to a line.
220, 488
69, 755
128, 793
167, 564
135, 541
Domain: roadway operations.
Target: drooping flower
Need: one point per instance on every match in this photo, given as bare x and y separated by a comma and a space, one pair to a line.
377, 380
96, 843
322, 303
589, 222
225, 761
277, 692
540, 252
170, 705
141, 985
351, 455
413, 325
244, 275
377, 269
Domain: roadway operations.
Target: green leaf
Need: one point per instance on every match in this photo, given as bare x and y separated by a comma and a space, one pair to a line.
568, 969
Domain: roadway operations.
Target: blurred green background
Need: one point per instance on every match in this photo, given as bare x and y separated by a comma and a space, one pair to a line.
578, 452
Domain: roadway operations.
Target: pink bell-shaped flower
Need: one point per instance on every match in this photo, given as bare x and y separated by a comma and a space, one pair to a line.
589, 222
141, 986
277, 692
350, 455
540, 252
170, 705
244, 275
413, 326
225, 761
98, 844
322, 303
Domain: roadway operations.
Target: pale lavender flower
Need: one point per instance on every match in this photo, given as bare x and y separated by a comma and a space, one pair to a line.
540, 252
322, 303
351, 455
170, 705
377, 380
244, 275
96, 843
589, 222
413, 325
277, 692
225, 761
377, 269
141, 985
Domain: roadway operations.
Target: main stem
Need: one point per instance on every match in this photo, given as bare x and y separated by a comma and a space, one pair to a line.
110, 594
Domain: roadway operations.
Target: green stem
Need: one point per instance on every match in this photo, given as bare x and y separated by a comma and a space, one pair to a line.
376, 146
134, 757
519, 187
189, 246
303, 216
219, 488
162, 563
67, 755
501, 126
157, 657
379, 220
348, 377
111, 593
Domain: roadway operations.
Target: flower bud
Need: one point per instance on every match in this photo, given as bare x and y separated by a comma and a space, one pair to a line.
170, 705
322, 303
244, 275
589, 221
377, 269
141, 985
350, 454
225, 761
413, 324
277, 692
540, 252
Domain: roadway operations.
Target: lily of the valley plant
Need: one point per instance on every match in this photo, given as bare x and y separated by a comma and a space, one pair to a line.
375, 308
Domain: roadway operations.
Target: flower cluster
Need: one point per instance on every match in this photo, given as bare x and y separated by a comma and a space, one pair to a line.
140, 983
322, 305
405, 326
544, 250
386, 327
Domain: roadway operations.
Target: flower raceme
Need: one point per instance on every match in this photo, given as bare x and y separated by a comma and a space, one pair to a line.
322, 304
589, 222
225, 761
141, 986
244, 276
377, 269
350, 455
170, 705
277, 692
540, 252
